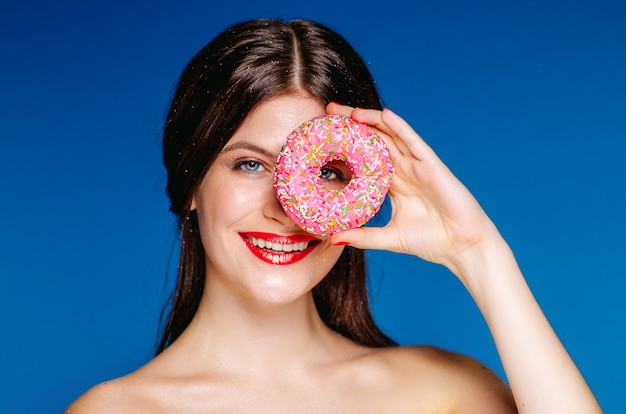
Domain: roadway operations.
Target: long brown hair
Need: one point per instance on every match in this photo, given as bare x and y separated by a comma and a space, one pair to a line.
242, 67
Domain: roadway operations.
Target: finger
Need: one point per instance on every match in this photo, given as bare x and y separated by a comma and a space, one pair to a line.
410, 139
374, 119
363, 238
334, 108
370, 117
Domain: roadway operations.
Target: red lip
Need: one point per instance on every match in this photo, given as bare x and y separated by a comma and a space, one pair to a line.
279, 238
280, 258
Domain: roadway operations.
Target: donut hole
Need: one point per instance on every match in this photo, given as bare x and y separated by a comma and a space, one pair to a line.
335, 175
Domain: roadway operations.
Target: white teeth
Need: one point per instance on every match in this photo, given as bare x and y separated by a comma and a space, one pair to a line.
278, 247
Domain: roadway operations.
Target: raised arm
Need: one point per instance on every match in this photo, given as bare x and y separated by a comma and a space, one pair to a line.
436, 218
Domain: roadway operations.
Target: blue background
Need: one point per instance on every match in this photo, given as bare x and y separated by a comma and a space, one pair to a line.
524, 100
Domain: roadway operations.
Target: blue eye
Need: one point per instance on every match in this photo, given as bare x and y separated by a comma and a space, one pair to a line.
336, 170
250, 166
328, 174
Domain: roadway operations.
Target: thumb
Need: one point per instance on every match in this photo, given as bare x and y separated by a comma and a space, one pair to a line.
361, 238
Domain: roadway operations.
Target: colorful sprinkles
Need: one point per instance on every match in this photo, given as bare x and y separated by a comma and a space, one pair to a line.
311, 146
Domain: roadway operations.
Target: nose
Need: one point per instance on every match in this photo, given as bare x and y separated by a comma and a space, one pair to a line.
273, 210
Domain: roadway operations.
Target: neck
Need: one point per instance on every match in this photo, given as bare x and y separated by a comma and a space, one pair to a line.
246, 335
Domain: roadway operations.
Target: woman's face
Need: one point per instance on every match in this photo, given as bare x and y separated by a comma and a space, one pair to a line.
252, 248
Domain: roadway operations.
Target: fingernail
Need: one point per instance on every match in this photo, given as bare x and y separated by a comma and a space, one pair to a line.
341, 243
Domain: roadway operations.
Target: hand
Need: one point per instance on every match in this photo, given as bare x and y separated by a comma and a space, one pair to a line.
436, 218
433, 215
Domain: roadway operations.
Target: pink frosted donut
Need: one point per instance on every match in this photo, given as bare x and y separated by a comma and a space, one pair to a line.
308, 149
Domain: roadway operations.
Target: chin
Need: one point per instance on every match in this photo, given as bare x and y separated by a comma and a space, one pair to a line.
276, 291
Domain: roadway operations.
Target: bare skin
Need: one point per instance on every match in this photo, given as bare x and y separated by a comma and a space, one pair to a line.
397, 380
257, 343
455, 232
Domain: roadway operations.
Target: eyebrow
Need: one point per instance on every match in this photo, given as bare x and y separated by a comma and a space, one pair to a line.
248, 146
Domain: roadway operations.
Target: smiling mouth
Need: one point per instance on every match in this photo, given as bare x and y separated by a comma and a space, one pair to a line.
277, 249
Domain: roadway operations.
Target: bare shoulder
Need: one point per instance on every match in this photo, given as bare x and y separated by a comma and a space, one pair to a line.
120, 396
458, 383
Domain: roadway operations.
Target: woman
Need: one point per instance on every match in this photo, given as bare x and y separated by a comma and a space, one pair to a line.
288, 328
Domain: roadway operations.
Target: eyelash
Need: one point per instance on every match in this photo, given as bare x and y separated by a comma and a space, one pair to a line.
244, 164
339, 175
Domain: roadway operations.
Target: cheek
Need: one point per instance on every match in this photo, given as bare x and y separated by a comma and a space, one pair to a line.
326, 258
244, 195
219, 209
225, 203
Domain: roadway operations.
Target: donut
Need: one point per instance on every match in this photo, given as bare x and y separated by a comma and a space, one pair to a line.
315, 143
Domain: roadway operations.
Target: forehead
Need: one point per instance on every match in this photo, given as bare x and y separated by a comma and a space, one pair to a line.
271, 122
